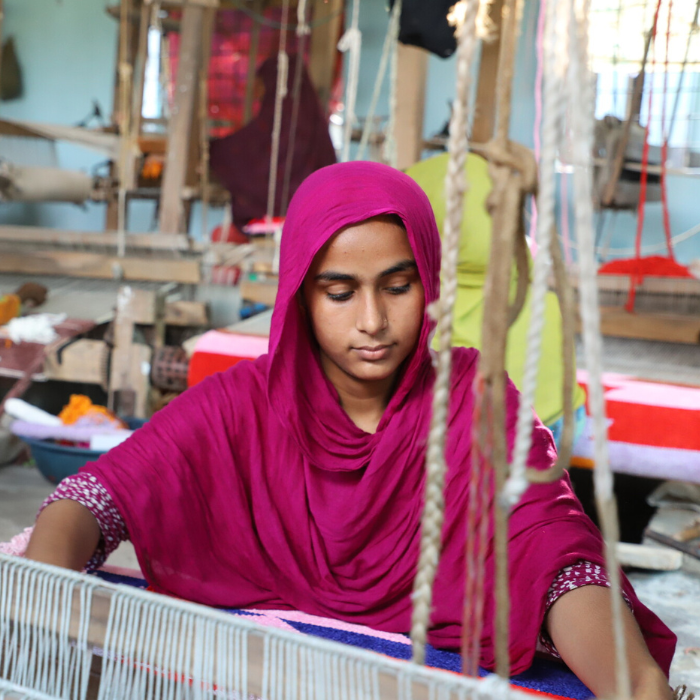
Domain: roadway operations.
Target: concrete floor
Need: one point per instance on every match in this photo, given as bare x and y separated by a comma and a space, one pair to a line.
674, 596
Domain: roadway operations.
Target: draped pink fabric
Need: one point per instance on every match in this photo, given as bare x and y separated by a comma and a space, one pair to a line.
254, 488
241, 160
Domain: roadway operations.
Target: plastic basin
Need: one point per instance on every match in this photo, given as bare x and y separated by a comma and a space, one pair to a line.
56, 462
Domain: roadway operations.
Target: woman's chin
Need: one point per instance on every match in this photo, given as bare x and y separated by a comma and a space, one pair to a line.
374, 372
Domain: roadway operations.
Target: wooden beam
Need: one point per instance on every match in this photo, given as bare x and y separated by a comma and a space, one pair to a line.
669, 328
99, 266
323, 49
51, 236
684, 286
410, 104
485, 108
172, 210
2, 18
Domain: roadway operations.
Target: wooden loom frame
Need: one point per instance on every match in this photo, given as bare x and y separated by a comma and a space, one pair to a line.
185, 151
394, 678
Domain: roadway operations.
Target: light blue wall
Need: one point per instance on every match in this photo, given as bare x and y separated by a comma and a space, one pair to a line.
67, 49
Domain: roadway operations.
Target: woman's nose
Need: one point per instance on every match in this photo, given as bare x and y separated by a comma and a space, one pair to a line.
371, 316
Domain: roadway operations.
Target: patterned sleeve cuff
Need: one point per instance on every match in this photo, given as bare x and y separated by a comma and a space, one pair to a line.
89, 492
582, 573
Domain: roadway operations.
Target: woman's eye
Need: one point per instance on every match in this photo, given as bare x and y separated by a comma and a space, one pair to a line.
399, 290
342, 296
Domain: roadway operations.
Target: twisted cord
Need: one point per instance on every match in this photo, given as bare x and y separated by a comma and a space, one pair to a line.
455, 187
280, 94
555, 51
303, 30
390, 151
392, 34
581, 102
351, 41
478, 520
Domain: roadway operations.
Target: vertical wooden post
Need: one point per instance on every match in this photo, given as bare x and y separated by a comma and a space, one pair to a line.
323, 49
172, 211
410, 104
201, 171
126, 53
140, 69
129, 380
485, 108
252, 64
2, 17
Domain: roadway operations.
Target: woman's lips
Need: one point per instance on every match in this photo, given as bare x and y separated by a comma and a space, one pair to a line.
373, 352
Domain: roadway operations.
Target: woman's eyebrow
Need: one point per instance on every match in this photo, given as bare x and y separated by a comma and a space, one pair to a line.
330, 276
399, 267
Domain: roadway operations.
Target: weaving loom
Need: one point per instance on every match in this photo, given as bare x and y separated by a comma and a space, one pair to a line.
74, 636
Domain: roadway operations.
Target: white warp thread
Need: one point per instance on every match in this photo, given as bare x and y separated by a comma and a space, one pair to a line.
154, 646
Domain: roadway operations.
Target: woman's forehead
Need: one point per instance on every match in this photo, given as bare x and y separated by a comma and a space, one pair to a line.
368, 243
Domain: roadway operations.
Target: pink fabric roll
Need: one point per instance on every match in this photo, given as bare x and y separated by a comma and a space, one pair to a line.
255, 489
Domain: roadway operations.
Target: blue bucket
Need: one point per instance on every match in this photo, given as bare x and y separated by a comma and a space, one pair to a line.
56, 462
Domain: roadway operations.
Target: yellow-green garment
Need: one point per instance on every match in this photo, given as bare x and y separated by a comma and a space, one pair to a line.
474, 247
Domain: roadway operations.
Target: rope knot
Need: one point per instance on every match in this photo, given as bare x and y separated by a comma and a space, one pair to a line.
434, 310
352, 39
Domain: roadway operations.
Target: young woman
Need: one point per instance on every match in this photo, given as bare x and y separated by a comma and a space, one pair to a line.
296, 481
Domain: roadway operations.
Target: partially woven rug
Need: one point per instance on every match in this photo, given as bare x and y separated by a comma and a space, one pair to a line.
547, 677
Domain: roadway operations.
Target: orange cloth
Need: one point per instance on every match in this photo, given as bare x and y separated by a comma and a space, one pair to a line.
10, 306
81, 411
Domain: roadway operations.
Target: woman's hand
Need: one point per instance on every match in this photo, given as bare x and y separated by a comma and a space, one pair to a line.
580, 625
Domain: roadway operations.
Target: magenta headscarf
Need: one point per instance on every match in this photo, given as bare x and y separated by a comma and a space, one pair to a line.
241, 161
255, 489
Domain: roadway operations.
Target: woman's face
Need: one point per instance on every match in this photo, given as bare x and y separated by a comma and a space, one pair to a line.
365, 301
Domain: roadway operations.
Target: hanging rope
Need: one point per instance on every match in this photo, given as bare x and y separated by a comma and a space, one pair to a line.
478, 520
537, 130
513, 172
303, 30
280, 94
390, 41
555, 65
351, 41
636, 279
581, 102
442, 311
665, 136
676, 100
390, 151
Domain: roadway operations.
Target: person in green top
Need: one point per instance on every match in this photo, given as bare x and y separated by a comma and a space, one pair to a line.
474, 247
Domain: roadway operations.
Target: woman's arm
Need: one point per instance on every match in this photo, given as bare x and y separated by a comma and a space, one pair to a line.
66, 534
580, 625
